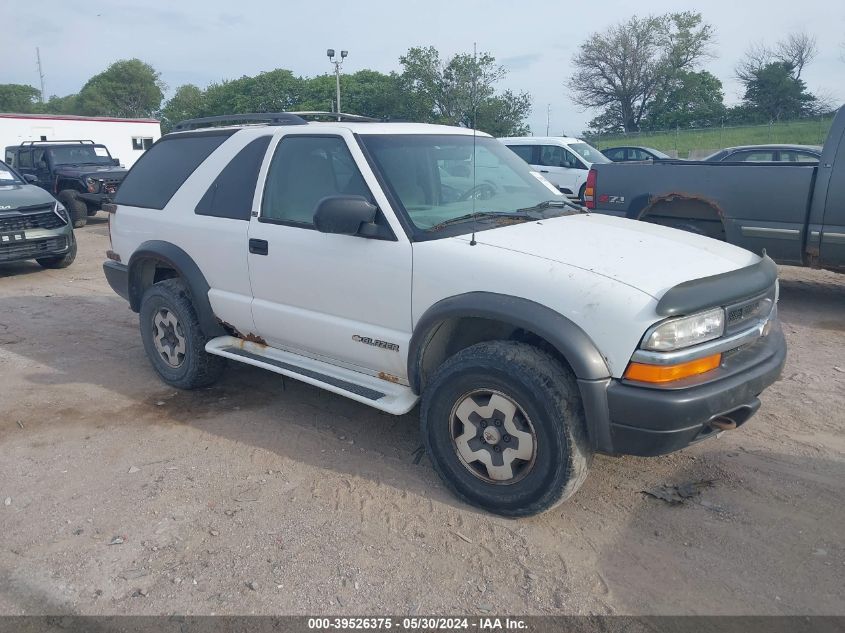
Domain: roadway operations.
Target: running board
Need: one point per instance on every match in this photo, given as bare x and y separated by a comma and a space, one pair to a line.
381, 394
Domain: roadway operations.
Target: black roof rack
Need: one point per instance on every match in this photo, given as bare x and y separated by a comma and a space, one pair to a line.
268, 118
343, 116
57, 142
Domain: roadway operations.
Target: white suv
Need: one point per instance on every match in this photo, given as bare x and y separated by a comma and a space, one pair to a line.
394, 263
563, 161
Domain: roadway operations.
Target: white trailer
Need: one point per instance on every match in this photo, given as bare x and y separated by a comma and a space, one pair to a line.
126, 139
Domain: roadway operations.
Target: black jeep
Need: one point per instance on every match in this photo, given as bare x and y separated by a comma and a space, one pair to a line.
81, 174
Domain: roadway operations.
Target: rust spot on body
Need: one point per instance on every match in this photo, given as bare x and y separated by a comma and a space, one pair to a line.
250, 337
388, 377
254, 338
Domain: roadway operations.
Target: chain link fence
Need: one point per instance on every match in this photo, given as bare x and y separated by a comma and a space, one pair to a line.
697, 143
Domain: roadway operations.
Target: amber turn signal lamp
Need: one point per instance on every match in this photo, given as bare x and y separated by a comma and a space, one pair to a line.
641, 372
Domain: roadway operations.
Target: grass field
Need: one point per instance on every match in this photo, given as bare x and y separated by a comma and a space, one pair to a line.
707, 140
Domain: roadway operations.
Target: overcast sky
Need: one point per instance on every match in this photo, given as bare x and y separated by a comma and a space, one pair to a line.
200, 41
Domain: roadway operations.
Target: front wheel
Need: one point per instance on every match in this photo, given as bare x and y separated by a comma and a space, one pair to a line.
77, 208
504, 427
172, 337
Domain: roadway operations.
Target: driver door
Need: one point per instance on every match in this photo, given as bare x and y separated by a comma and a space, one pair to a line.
338, 298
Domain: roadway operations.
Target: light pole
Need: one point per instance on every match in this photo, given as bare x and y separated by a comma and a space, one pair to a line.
337, 64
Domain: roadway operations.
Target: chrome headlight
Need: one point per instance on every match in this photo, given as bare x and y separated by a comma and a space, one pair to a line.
685, 331
60, 211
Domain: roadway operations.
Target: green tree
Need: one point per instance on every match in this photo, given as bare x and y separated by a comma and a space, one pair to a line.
18, 98
188, 102
621, 71
128, 88
692, 99
461, 91
278, 90
773, 93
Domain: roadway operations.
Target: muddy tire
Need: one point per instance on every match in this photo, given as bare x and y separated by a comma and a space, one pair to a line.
172, 337
504, 427
76, 208
60, 261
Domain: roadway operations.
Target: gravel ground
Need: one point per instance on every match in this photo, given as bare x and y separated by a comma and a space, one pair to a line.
122, 496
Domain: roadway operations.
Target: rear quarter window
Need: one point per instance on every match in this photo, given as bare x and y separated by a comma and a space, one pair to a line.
163, 168
231, 193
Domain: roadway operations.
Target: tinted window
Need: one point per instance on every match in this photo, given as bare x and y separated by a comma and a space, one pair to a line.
615, 154
160, 172
525, 152
588, 153
758, 156
794, 156
304, 170
638, 154
230, 195
24, 159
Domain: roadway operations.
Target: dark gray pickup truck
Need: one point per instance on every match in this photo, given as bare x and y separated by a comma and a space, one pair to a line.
795, 211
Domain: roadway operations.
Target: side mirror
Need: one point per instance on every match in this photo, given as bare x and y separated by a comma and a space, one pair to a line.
30, 178
115, 162
343, 215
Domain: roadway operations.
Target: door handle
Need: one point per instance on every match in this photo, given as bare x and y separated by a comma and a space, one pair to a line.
258, 247
544, 171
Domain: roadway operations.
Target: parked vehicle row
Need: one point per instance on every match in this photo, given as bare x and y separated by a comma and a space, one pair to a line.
81, 174
397, 263
793, 211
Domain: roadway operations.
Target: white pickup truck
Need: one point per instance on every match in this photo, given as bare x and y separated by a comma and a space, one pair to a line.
393, 262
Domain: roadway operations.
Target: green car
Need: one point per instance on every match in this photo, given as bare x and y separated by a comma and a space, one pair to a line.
33, 225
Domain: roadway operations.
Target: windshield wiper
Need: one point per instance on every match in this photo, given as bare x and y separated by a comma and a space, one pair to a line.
557, 203
520, 214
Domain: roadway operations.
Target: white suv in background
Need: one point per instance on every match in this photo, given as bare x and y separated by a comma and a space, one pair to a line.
564, 161
401, 263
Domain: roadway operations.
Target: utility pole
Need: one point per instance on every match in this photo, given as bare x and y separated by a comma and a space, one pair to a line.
337, 64
40, 72
548, 117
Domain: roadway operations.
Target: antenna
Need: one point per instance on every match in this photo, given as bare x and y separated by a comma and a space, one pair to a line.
548, 117
40, 72
472, 241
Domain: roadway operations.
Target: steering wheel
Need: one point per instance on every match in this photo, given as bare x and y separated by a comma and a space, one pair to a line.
482, 191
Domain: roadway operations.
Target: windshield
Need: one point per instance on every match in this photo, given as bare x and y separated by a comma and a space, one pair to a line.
80, 155
589, 153
432, 176
8, 176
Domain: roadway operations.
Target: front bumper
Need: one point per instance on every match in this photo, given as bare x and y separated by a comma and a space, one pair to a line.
640, 420
95, 199
37, 244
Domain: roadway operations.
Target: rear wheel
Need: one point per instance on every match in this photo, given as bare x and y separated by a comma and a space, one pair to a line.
503, 424
172, 337
581, 194
60, 261
77, 208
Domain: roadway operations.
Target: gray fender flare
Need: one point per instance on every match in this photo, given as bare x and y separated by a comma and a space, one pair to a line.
187, 269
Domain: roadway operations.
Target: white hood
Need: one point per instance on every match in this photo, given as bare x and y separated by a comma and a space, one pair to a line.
646, 256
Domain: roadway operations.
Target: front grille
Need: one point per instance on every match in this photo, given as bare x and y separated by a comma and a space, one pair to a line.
30, 220
110, 185
34, 248
740, 316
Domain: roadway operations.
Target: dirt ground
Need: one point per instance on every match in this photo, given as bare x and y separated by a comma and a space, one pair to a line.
122, 496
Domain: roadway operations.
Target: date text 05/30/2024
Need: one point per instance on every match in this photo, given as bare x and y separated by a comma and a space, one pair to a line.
419, 623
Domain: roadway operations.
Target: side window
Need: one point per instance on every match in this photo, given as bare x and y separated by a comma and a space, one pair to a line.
758, 156
794, 156
231, 193
615, 154
25, 159
304, 170
141, 143
551, 156
10, 158
637, 154
39, 159
570, 161
160, 172
523, 151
